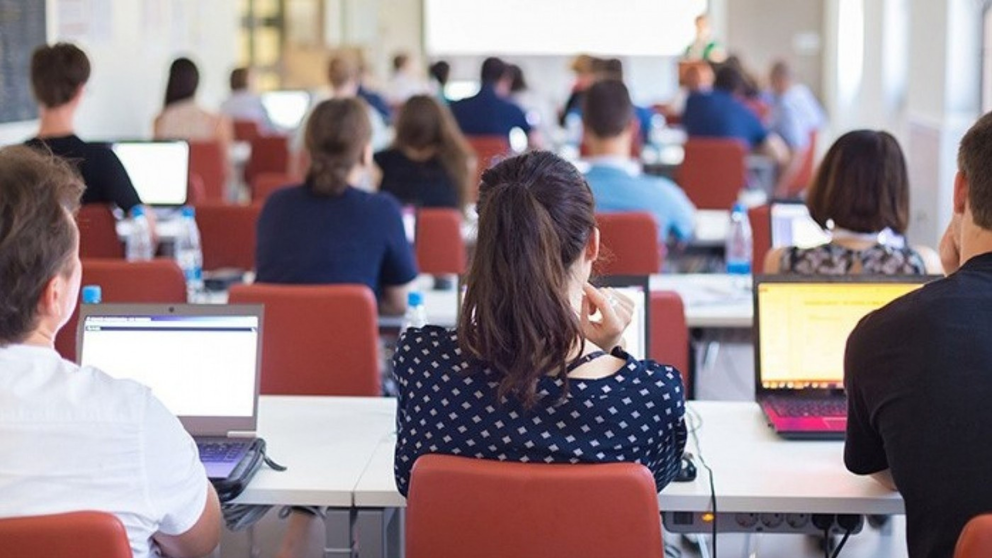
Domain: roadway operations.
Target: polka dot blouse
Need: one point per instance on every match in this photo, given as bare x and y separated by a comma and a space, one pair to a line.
448, 406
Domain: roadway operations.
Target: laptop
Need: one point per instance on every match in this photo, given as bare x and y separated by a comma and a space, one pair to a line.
801, 326
159, 170
792, 225
201, 361
286, 109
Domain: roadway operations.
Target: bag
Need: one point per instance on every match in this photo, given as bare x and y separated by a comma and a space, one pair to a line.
231, 487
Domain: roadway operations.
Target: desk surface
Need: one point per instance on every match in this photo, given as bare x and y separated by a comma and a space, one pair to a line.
754, 471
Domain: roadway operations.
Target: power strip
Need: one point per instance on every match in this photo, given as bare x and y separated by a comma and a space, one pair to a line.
798, 523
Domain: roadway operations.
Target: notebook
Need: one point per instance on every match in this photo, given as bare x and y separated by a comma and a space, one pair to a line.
801, 326
201, 361
159, 170
791, 225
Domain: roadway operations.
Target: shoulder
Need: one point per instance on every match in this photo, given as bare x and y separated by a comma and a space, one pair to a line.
113, 396
416, 347
286, 196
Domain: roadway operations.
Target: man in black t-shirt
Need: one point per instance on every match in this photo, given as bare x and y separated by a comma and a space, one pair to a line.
918, 375
58, 75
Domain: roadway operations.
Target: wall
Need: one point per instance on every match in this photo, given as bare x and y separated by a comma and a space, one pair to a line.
130, 50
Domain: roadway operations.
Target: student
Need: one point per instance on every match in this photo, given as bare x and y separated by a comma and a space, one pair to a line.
245, 104
429, 162
720, 114
181, 117
616, 180
861, 195
528, 376
326, 230
404, 83
489, 113
440, 71
58, 76
72, 438
795, 116
916, 373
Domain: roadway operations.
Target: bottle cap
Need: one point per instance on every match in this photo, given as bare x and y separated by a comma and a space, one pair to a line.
739, 208
188, 211
92, 294
414, 298
137, 211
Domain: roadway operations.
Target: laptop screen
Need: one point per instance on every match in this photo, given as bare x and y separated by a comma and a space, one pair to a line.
159, 170
803, 327
286, 109
793, 226
201, 362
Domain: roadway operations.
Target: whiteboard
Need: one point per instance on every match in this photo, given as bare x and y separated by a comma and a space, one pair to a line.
560, 27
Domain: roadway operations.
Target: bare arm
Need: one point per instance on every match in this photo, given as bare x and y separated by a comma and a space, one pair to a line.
773, 261
201, 538
393, 300
885, 479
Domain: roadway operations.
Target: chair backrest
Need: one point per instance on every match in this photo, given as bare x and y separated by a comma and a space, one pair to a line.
460, 506
975, 540
439, 245
263, 184
670, 333
268, 154
208, 160
98, 232
82, 534
317, 339
628, 244
227, 234
246, 130
804, 177
713, 172
761, 235
489, 150
160, 280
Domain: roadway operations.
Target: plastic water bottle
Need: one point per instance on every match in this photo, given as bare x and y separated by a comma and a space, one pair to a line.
92, 294
138, 246
189, 255
738, 249
416, 313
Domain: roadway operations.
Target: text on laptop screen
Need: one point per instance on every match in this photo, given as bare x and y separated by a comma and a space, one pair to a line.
793, 226
198, 366
159, 170
804, 328
286, 109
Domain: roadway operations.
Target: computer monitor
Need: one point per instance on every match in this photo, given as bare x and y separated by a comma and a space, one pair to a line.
286, 109
802, 325
201, 361
792, 226
159, 170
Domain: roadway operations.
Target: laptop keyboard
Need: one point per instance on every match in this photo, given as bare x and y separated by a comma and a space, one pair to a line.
809, 407
221, 452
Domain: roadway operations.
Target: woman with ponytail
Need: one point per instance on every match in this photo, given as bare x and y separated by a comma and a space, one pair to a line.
328, 231
534, 371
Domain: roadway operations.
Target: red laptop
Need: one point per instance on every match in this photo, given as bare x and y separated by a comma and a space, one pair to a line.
801, 327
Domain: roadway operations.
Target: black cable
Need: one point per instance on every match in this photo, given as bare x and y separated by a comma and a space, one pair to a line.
826, 543
847, 533
702, 461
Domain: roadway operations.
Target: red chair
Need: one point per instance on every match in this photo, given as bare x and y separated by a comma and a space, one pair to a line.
628, 244
489, 150
268, 154
669, 333
246, 130
227, 235
713, 172
761, 235
265, 183
158, 280
317, 339
98, 232
81, 534
208, 160
975, 540
460, 506
804, 177
439, 245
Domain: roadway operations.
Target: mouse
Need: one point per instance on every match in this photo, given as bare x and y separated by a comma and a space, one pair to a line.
688, 471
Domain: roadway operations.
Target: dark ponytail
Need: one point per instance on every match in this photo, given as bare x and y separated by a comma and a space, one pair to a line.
338, 132
536, 214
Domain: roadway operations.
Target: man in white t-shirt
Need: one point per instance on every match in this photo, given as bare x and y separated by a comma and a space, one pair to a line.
74, 438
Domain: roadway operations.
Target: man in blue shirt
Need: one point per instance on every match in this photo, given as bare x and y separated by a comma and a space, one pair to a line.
616, 181
795, 117
489, 113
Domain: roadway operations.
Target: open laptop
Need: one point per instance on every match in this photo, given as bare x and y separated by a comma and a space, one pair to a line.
159, 170
201, 361
792, 225
801, 326
286, 109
